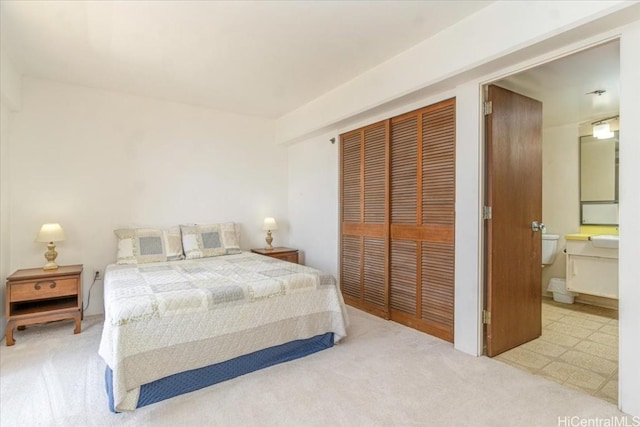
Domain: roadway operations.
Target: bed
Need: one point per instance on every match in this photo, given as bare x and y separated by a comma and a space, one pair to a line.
177, 326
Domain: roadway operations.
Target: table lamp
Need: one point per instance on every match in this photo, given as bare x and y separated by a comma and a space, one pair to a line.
50, 233
268, 225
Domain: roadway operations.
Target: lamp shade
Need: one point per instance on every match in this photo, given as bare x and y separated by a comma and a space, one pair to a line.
50, 233
269, 224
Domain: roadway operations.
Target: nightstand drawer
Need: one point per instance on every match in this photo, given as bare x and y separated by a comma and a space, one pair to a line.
41, 289
293, 257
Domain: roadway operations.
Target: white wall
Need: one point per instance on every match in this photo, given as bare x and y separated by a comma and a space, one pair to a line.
96, 160
10, 82
10, 100
560, 190
526, 36
469, 271
4, 210
312, 201
629, 288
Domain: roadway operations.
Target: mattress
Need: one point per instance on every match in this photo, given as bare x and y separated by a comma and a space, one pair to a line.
166, 318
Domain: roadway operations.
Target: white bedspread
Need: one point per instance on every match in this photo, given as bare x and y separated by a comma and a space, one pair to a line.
166, 318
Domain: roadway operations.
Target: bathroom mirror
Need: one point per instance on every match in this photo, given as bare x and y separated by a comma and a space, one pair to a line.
599, 161
599, 169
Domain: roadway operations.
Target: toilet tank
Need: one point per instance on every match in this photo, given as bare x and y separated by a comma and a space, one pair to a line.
549, 248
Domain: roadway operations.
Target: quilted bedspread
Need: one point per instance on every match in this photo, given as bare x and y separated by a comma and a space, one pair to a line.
170, 317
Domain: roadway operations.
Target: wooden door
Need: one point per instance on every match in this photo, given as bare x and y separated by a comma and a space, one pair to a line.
514, 193
422, 219
364, 227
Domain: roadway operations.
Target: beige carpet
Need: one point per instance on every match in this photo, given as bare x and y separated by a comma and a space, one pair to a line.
383, 374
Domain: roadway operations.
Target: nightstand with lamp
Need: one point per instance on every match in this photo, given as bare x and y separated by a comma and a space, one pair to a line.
44, 294
282, 253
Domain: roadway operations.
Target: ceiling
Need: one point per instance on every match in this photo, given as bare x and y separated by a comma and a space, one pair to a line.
262, 58
563, 86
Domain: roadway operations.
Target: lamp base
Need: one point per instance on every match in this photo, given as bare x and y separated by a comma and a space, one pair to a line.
50, 256
269, 239
50, 266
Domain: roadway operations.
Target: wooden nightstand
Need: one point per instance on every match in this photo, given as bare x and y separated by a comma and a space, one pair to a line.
285, 254
35, 295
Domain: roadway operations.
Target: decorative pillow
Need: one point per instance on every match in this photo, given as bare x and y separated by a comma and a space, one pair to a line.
208, 240
142, 245
173, 243
231, 237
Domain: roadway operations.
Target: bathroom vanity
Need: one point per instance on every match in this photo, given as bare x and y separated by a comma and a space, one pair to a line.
592, 254
592, 266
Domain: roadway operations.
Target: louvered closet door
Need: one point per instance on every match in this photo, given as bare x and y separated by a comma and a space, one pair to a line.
422, 178
365, 218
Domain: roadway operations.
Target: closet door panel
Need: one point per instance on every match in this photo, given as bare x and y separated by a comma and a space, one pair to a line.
437, 285
375, 176
423, 163
404, 171
374, 271
351, 266
351, 178
364, 196
438, 213
403, 276
438, 164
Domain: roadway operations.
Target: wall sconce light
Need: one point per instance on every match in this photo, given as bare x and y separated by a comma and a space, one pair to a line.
602, 129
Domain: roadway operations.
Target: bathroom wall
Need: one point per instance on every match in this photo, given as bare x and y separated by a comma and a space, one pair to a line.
560, 191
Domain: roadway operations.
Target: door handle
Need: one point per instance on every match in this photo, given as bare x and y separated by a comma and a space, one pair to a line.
538, 226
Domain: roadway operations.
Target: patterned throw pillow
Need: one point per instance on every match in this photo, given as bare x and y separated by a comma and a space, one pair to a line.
142, 245
231, 237
208, 240
173, 243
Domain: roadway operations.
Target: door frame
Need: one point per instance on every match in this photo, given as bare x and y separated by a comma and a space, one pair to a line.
470, 179
482, 90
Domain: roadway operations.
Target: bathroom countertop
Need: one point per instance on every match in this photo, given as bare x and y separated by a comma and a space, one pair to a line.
586, 231
578, 236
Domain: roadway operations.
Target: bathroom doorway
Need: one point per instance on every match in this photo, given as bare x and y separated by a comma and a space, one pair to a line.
578, 344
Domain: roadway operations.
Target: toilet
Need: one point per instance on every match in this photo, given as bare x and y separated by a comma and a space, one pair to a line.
549, 248
557, 286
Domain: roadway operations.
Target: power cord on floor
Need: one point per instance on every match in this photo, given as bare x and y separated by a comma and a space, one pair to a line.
96, 277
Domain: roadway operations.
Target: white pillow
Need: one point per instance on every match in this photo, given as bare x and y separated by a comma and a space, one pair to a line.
142, 245
208, 240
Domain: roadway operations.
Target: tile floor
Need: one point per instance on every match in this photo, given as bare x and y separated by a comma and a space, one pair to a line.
578, 348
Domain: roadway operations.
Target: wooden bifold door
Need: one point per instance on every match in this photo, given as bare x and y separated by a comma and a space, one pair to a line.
397, 218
